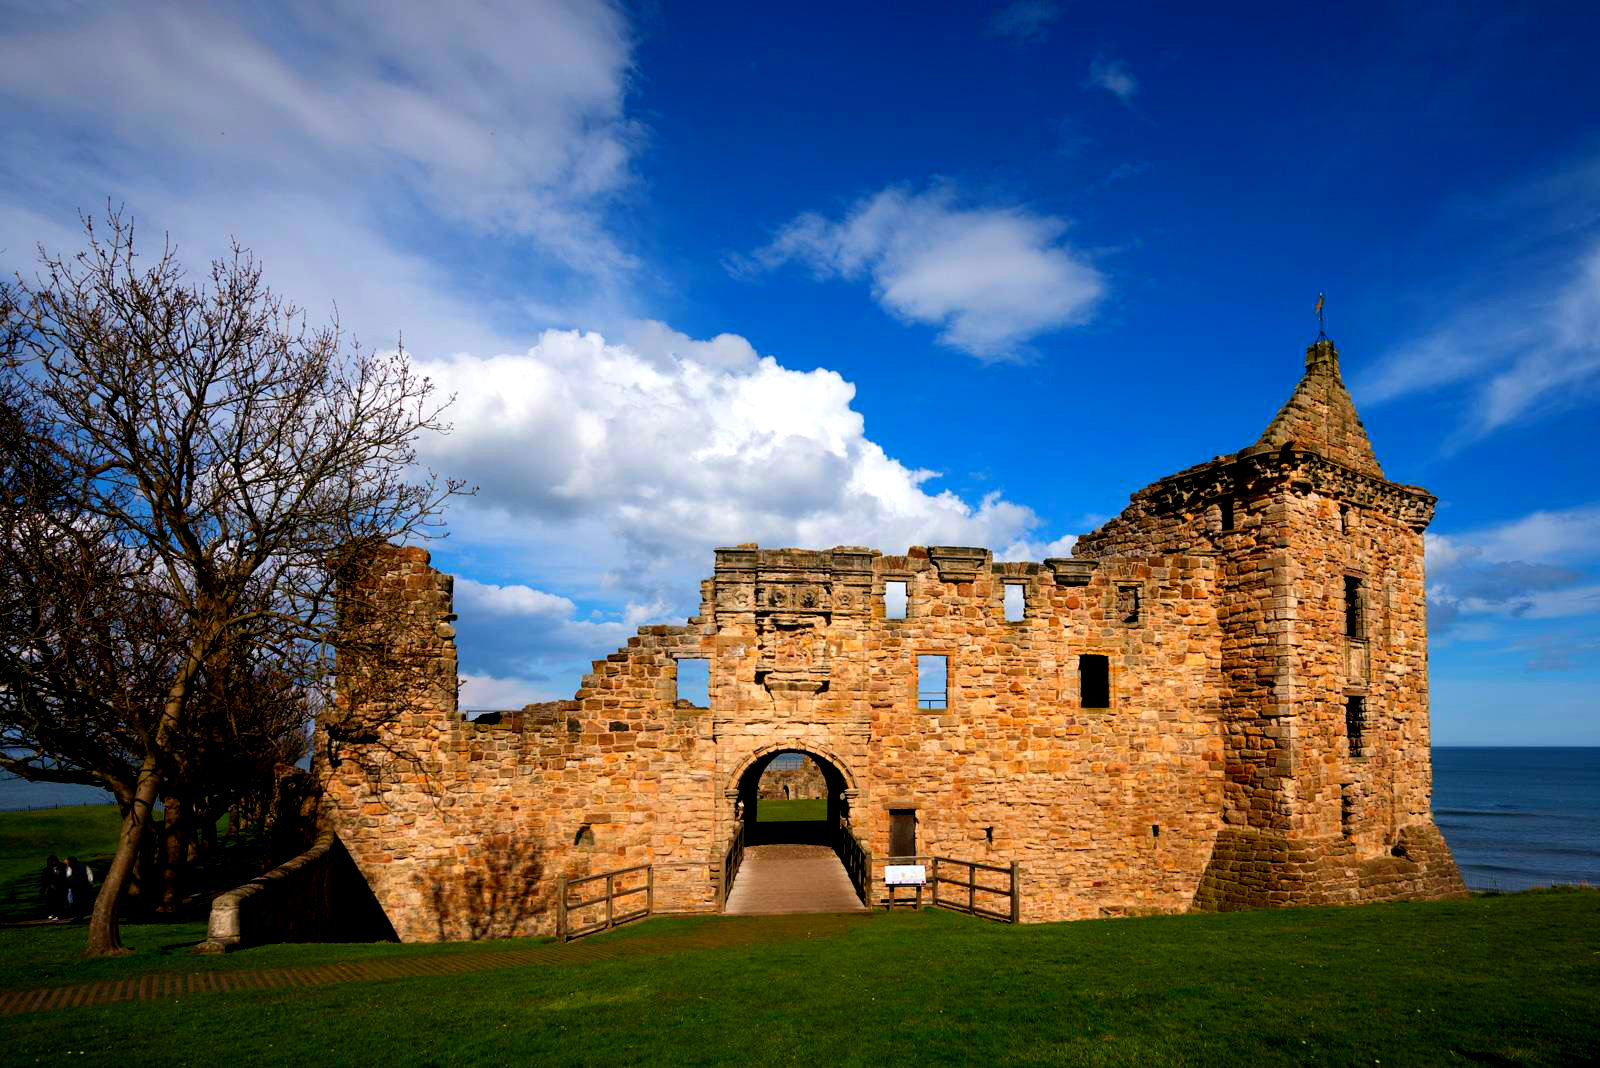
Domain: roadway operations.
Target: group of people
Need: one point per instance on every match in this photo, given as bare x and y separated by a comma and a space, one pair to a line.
67, 888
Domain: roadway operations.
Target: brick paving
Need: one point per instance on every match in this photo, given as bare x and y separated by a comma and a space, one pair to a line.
156, 986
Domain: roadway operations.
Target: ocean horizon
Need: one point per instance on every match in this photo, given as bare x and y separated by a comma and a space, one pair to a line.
1515, 816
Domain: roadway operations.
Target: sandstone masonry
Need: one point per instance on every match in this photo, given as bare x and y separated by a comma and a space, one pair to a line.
1219, 701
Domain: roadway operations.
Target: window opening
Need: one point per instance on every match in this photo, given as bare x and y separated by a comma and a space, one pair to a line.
1128, 603
1355, 721
584, 837
902, 832
1016, 602
1344, 519
1094, 680
894, 600
1225, 507
933, 682
694, 683
1353, 596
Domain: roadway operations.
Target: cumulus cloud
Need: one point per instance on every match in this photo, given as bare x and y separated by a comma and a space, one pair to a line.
990, 277
1026, 20
1112, 76
1534, 567
660, 457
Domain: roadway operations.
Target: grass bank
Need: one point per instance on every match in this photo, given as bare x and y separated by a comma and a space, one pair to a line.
88, 832
799, 810
1490, 980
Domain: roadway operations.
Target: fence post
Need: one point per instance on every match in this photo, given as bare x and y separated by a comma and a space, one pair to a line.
650, 890
1016, 894
561, 909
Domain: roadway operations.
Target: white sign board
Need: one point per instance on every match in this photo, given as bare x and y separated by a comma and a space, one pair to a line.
904, 875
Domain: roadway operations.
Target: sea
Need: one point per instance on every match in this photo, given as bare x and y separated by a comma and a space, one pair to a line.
1514, 817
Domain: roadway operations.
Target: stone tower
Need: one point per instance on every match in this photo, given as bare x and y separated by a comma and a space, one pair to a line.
1328, 770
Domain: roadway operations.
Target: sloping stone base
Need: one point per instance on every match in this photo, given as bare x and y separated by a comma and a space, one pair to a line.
1252, 869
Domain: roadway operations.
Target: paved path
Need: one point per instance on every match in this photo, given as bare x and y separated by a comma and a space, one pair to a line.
220, 978
776, 879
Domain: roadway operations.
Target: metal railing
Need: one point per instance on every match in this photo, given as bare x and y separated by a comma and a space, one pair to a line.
974, 888
857, 862
565, 909
731, 859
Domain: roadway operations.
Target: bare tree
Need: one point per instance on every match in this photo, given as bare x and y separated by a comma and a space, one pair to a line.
197, 463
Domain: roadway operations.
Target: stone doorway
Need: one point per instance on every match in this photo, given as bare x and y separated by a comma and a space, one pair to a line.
792, 796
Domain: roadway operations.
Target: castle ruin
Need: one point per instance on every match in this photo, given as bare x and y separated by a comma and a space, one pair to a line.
1219, 701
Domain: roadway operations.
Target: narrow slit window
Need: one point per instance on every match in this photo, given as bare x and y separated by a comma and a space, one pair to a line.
1355, 721
1016, 602
694, 683
1094, 680
894, 600
1353, 597
933, 682
1344, 519
1225, 509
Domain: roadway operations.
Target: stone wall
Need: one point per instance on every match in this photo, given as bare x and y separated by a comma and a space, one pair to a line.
1218, 774
804, 783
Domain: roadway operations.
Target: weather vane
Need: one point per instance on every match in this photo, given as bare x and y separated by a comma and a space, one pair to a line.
1322, 326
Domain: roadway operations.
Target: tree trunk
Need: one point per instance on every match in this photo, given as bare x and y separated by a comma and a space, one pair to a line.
174, 853
105, 934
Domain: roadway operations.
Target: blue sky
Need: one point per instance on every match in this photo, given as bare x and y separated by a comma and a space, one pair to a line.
963, 274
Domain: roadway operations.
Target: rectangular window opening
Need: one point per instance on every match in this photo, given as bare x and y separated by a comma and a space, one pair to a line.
902, 832
694, 683
1225, 510
1353, 608
894, 600
1094, 680
1344, 519
1016, 602
1128, 603
933, 682
1355, 722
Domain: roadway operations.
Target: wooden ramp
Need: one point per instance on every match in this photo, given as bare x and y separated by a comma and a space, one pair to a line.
777, 879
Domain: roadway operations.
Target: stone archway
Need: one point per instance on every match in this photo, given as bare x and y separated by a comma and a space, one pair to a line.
744, 785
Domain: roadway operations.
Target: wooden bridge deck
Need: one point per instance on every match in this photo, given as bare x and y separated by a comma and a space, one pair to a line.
791, 878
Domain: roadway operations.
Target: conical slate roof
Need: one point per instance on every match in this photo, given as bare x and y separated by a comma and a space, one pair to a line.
1322, 418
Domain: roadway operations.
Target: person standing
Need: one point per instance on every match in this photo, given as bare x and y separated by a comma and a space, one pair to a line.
53, 888
80, 887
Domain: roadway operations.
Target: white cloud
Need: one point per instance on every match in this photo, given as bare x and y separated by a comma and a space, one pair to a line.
481, 691
1518, 357
515, 600
1528, 568
1025, 20
357, 155
655, 459
989, 277
1112, 76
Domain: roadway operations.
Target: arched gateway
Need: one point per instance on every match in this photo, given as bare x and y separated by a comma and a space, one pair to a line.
1219, 701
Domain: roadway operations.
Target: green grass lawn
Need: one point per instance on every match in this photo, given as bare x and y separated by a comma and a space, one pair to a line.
1489, 980
791, 811
88, 832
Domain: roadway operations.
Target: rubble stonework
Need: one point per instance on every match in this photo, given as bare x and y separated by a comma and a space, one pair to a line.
1219, 774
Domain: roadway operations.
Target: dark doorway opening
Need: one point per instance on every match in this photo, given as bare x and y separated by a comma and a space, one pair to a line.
810, 812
